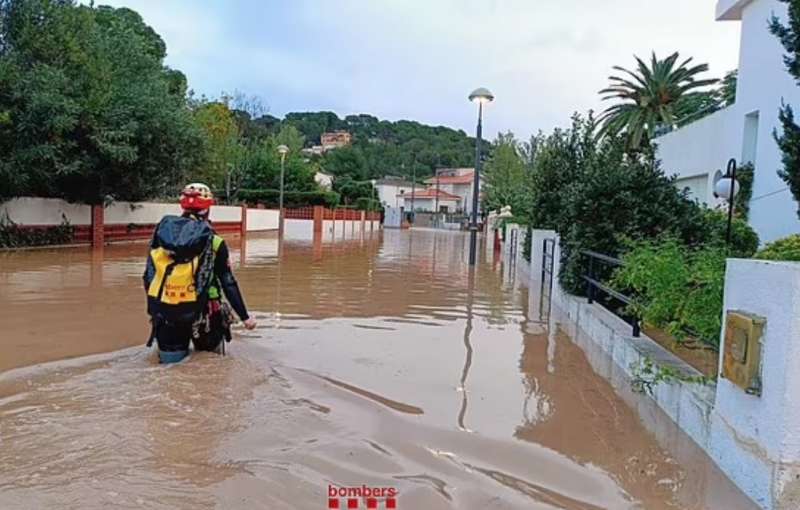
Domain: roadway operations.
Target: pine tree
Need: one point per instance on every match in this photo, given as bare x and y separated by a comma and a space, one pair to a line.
789, 139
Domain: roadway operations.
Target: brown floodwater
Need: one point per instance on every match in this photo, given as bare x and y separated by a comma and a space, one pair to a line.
378, 361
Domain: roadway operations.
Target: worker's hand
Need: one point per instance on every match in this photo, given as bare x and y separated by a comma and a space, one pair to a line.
250, 323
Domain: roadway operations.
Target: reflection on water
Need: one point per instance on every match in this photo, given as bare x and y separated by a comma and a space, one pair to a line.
379, 359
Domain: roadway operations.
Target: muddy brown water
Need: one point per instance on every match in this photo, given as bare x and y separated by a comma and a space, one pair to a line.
378, 361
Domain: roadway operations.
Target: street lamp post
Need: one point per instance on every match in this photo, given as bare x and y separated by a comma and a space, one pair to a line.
283, 151
480, 96
727, 187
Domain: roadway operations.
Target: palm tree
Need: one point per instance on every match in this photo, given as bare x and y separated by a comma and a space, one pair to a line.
649, 97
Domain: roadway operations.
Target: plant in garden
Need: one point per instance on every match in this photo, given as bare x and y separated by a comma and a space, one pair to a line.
676, 288
789, 137
647, 376
649, 97
787, 248
745, 176
14, 236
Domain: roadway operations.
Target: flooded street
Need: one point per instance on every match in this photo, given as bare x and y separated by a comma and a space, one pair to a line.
378, 361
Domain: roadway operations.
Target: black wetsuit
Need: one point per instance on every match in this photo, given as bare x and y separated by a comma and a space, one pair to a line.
175, 336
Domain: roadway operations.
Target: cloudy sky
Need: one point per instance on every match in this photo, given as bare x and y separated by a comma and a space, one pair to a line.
419, 59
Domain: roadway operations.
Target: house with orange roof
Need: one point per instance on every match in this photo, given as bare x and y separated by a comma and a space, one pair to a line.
457, 182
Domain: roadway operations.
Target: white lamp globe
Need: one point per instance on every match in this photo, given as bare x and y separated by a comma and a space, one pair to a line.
722, 188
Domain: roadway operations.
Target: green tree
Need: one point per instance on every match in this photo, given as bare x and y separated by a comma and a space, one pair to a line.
88, 111
789, 137
506, 178
346, 162
222, 146
649, 97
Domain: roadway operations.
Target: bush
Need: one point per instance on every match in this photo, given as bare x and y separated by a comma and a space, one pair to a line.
596, 195
787, 248
291, 199
367, 204
714, 225
14, 236
676, 288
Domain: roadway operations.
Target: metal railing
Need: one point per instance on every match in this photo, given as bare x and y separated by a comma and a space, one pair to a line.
595, 285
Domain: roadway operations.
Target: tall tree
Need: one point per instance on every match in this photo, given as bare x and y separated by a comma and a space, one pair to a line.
506, 178
223, 150
789, 138
88, 111
648, 98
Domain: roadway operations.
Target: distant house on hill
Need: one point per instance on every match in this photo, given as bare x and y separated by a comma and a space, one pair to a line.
335, 139
458, 182
699, 152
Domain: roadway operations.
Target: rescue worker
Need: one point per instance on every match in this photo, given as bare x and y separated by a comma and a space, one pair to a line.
188, 270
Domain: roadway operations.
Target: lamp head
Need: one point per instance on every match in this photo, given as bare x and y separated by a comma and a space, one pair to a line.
283, 150
481, 95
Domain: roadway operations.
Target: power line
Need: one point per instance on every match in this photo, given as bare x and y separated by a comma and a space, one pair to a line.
765, 195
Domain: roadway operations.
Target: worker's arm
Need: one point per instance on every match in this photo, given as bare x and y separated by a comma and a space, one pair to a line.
150, 269
224, 274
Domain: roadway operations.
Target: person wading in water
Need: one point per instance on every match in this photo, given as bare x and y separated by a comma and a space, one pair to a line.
186, 274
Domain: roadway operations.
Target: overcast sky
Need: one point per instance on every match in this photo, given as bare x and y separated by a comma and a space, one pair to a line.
419, 59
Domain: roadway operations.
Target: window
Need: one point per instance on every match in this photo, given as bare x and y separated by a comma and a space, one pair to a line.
750, 141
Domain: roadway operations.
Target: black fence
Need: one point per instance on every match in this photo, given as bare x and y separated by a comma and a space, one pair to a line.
595, 286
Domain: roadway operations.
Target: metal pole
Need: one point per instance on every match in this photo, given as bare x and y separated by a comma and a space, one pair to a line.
413, 188
280, 197
473, 228
732, 175
436, 207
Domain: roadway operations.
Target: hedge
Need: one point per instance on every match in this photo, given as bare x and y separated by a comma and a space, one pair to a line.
291, 199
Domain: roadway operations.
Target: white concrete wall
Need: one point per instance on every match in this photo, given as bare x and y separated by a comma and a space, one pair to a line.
756, 440
387, 194
263, 219
298, 229
139, 213
702, 148
226, 213
45, 211
706, 145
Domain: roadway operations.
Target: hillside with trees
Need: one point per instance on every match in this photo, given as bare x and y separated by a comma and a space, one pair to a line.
89, 112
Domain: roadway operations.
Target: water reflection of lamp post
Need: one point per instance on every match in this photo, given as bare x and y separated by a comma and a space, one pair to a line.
480, 96
727, 188
468, 346
283, 151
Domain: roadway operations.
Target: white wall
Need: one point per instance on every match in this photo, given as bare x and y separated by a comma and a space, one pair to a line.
263, 219
701, 148
387, 193
144, 213
45, 211
756, 440
706, 145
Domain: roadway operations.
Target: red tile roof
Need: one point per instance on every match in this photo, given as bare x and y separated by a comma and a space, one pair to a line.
430, 193
452, 179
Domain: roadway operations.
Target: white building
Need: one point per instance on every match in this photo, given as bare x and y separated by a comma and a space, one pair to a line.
390, 187
455, 181
430, 200
324, 180
744, 130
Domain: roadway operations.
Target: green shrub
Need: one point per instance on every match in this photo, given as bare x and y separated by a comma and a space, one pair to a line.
14, 236
367, 204
676, 288
787, 248
714, 225
291, 199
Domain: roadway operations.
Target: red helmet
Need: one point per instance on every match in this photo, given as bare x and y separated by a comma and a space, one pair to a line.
196, 198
